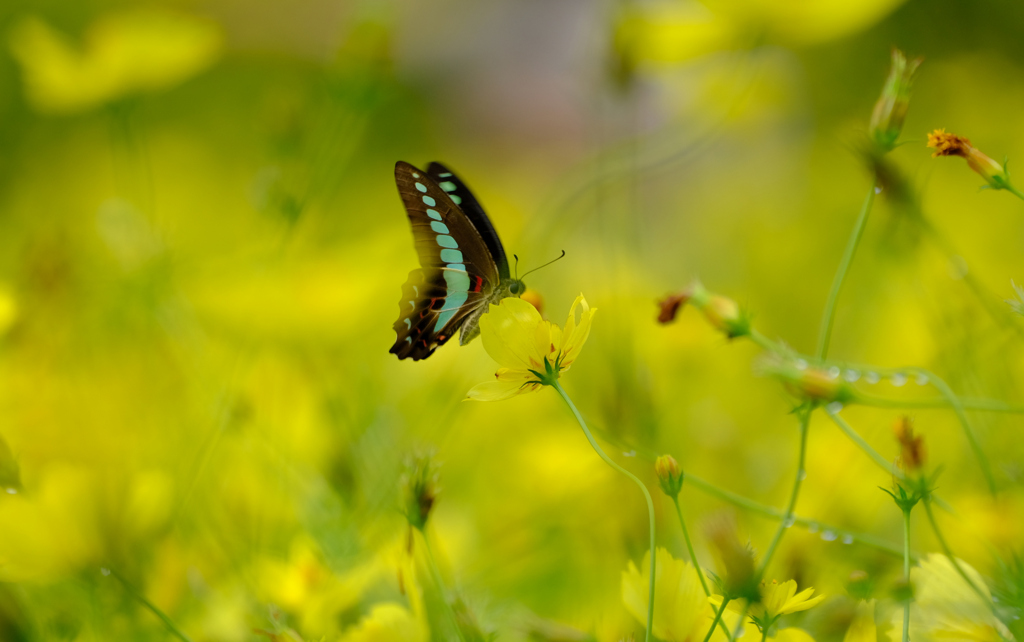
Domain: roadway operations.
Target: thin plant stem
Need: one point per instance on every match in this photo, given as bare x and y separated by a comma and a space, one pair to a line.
774, 513
828, 316
771, 512
906, 572
972, 439
689, 546
171, 626
693, 558
805, 421
436, 575
1013, 190
967, 403
717, 620
948, 552
882, 462
650, 503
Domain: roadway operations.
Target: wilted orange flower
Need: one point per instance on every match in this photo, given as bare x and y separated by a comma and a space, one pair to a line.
670, 306
946, 144
912, 452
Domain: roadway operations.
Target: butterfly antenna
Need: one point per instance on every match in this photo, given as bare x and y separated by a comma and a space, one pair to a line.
545, 265
517, 266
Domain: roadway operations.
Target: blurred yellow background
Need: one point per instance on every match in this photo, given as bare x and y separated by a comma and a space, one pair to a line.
202, 252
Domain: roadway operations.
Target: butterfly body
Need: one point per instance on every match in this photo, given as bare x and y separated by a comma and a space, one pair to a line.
463, 267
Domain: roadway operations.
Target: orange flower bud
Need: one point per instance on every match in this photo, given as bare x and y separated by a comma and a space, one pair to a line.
722, 312
912, 451
952, 145
534, 298
669, 475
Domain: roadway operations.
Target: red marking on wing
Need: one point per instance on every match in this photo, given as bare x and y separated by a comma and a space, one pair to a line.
479, 282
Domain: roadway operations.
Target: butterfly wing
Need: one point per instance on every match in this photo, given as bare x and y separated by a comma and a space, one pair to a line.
457, 190
457, 273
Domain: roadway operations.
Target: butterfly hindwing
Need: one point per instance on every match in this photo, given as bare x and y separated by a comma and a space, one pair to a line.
458, 273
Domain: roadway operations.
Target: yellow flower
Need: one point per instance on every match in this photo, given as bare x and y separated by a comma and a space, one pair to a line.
122, 53
682, 613
388, 622
946, 607
862, 628
782, 599
532, 352
952, 145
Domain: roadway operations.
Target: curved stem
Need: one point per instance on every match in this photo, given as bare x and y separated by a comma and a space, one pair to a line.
436, 574
693, 558
948, 552
171, 626
1013, 190
689, 546
805, 421
906, 572
717, 620
650, 503
828, 317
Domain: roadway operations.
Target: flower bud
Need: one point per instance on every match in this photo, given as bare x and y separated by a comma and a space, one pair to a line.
722, 312
670, 305
670, 477
891, 108
952, 145
419, 490
810, 382
740, 579
534, 298
912, 451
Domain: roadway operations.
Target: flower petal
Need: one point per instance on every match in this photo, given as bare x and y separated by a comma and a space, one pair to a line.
508, 330
496, 391
575, 335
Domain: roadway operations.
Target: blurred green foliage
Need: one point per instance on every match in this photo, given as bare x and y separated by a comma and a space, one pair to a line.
202, 252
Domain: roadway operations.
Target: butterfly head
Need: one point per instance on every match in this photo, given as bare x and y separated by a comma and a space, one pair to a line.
516, 287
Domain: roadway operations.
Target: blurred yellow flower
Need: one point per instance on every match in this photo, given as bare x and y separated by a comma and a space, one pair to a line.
532, 352
8, 309
947, 144
776, 600
388, 622
122, 53
862, 628
681, 610
945, 606
782, 599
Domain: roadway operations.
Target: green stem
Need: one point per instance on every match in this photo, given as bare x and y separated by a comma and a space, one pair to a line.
689, 546
965, 423
949, 554
882, 462
1013, 190
828, 317
990, 405
805, 421
906, 572
436, 575
693, 558
650, 503
717, 620
175, 631
774, 513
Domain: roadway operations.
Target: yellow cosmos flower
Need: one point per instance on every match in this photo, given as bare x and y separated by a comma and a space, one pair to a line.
946, 607
532, 352
781, 599
121, 53
681, 610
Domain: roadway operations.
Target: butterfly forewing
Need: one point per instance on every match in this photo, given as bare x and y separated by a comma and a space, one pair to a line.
461, 196
457, 274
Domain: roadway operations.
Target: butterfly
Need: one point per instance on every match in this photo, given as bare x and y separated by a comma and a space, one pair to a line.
463, 267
